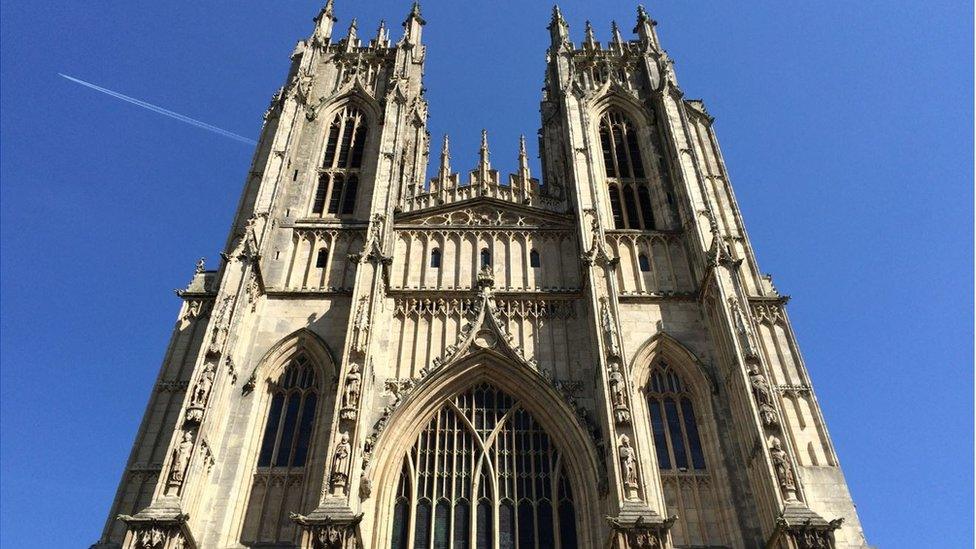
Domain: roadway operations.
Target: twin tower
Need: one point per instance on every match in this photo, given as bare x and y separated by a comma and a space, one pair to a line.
590, 358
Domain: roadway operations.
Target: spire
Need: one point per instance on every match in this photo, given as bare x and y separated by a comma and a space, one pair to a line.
445, 169
324, 22
615, 33
523, 159
413, 26
382, 35
558, 28
483, 162
645, 29
590, 41
351, 38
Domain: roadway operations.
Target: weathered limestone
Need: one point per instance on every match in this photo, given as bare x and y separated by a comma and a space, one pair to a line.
379, 358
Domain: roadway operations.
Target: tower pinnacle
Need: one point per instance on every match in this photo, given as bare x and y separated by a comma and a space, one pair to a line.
324, 22
590, 40
523, 159
618, 41
413, 26
645, 29
483, 162
445, 168
558, 28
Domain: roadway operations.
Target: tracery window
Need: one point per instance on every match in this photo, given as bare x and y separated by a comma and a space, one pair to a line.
435, 258
688, 484
644, 263
629, 186
339, 175
534, 260
279, 479
485, 257
483, 475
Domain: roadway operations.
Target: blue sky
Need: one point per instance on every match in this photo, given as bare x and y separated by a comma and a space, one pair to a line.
846, 126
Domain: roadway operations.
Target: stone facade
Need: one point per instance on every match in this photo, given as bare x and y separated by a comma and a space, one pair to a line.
592, 360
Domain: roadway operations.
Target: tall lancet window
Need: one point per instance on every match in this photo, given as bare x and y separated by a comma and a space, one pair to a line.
689, 489
629, 186
483, 475
340, 172
279, 484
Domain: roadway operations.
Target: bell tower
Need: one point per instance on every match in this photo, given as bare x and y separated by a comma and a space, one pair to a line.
588, 357
664, 245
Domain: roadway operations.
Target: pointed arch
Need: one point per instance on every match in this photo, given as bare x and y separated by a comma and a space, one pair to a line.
287, 416
535, 395
676, 412
274, 361
680, 357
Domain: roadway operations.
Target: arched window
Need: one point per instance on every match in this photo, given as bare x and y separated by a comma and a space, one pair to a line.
688, 485
484, 474
435, 258
279, 479
339, 180
485, 257
645, 264
322, 258
625, 173
534, 261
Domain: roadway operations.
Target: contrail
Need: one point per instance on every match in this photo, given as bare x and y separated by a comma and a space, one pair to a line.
162, 111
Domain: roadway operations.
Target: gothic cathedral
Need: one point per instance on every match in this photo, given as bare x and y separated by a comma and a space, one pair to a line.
585, 358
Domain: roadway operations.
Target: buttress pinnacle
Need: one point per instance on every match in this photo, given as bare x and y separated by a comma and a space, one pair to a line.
483, 154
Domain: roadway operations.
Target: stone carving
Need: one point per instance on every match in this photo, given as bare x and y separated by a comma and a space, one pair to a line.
360, 328
151, 538
221, 324
628, 466
784, 468
618, 394
351, 391
202, 388
181, 458
609, 328
340, 465
745, 335
764, 397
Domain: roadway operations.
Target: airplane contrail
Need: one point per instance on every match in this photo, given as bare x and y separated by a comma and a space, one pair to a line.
162, 111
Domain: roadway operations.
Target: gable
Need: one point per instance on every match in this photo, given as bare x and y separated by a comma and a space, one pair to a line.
485, 212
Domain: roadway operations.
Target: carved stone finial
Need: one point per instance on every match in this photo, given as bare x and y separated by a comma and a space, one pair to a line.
483, 154
590, 41
201, 265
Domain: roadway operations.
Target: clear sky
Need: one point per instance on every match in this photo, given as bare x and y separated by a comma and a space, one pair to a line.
847, 128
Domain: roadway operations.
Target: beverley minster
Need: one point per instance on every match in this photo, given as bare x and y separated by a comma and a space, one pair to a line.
585, 357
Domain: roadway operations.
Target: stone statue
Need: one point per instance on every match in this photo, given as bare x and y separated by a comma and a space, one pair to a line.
202, 388
784, 469
350, 396
609, 329
628, 466
760, 387
618, 394
181, 457
340, 464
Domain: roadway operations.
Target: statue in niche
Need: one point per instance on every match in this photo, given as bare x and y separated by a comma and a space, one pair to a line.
764, 397
628, 466
181, 458
609, 329
784, 469
340, 464
618, 394
202, 388
353, 387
